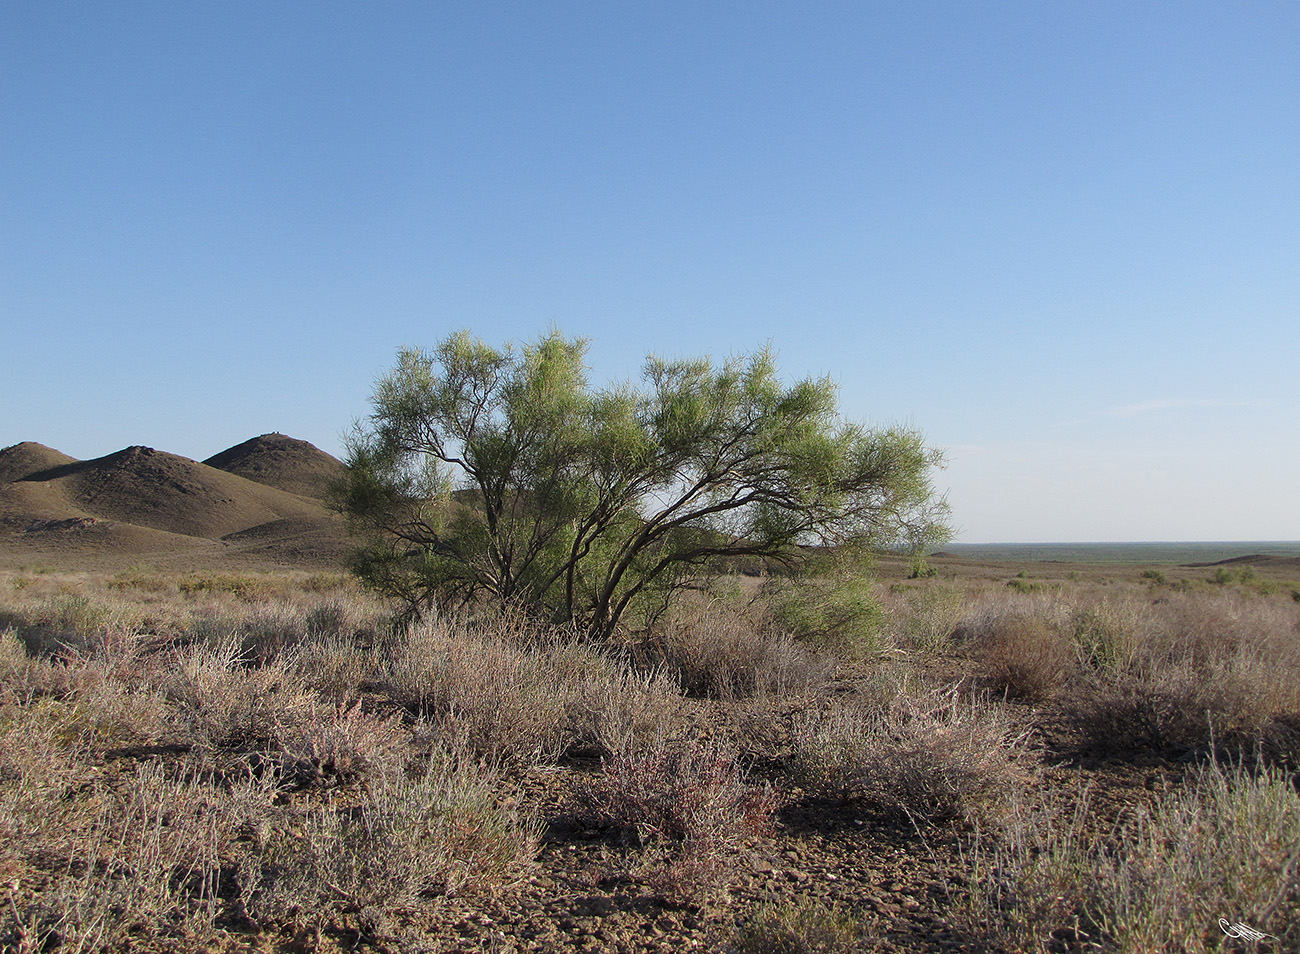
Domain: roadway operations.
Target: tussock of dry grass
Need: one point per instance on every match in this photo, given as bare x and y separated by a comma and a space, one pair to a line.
717, 651
686, 806
927, 750
1226, 845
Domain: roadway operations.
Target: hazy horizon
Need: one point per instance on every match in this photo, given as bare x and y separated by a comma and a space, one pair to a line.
1059, 240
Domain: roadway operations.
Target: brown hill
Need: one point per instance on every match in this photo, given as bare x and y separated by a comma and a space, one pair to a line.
281, 462
140, 503
18, 461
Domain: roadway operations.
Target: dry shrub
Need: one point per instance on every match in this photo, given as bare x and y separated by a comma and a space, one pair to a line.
499, 699
1227, 845
523, 703
687, 806
221, 703
612, 709
929, 751
722, 654
153, 862
335, 667
440, 833
802, 926
342, 743
42, 765
1024, 658
22, 677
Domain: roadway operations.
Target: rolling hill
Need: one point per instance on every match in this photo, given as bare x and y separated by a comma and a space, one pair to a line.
260, 502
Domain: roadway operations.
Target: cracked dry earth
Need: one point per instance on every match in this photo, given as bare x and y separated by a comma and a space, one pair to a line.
904, 880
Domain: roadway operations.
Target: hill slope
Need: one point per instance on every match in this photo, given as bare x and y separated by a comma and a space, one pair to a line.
144, 504
282, 462
18, 461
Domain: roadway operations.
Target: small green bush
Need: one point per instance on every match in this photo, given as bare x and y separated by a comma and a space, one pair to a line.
837, 612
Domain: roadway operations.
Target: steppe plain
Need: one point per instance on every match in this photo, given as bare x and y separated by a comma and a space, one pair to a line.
212, 739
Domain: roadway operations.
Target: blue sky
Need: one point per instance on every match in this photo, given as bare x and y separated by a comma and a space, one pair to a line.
1062, 239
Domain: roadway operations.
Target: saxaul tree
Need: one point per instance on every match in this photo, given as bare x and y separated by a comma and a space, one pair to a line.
500, 472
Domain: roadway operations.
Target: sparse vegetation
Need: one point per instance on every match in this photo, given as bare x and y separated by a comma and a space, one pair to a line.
288, 764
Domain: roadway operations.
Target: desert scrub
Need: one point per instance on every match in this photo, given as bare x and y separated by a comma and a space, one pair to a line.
685, 806
803, 926
717, 652
931, 751
151, 863
441, 832
923, 616
522, 701
1226, 845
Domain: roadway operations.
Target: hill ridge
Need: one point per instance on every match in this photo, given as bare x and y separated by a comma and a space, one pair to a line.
141, 501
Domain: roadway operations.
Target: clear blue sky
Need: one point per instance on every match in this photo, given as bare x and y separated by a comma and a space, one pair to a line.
1062, 239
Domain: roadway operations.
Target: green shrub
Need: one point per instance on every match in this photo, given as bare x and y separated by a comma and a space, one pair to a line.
925, 616
837, 612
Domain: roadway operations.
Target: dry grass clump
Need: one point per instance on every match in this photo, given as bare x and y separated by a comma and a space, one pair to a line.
923, 616
442, 832
1226, 846
523, 702
799, 927
925, 750
718, 651
1219, 665
686, 806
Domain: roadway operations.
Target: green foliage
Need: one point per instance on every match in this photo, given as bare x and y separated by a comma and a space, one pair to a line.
920, 569
502, 473
834, 608
1226, 575
1155, 576
926, 615
1021, 584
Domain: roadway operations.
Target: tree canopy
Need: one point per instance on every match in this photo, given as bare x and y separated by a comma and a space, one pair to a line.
502, 472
